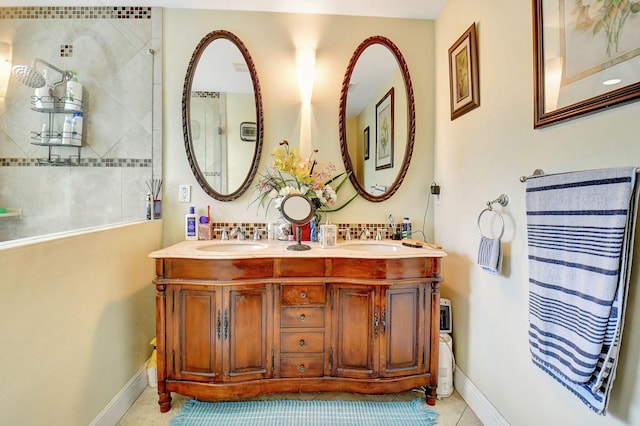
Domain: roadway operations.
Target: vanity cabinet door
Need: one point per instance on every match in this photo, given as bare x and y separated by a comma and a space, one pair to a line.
194, 322
402, 330
247, 332
355, 319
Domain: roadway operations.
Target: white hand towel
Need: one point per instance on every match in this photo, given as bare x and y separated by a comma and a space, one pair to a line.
490, 255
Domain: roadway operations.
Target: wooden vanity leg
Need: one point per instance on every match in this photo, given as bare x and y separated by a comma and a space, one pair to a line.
431, 389
164, 397
430, 395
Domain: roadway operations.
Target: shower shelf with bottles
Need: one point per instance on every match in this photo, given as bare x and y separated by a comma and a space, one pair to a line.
54, 135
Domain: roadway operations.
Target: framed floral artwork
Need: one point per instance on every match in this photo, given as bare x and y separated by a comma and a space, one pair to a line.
365, 143
464, 78
586, 57
384, 131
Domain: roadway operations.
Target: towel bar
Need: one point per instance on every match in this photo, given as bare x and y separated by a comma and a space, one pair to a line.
540, 172
536, 172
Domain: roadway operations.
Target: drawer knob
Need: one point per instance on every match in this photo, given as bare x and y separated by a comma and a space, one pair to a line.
302, 317
303, 295
301, 368
301, 343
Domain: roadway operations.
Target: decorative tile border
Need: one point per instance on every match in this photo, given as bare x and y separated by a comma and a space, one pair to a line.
355, 229
84, 162
203, 94
66, 50
75, 12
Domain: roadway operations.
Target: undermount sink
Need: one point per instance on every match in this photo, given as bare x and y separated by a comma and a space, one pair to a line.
233, 247
373, 247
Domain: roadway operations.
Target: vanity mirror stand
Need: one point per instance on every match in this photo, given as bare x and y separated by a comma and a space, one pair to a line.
298, 210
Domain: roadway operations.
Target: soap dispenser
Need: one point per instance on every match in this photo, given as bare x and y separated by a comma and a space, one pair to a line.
328, 235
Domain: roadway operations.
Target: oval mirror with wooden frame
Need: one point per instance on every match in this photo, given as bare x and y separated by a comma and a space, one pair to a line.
377, 119
222, 116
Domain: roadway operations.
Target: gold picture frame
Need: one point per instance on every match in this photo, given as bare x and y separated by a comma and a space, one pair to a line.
464, 78
585, 58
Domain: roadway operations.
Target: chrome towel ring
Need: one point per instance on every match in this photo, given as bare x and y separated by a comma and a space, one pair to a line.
499, 216
503, 200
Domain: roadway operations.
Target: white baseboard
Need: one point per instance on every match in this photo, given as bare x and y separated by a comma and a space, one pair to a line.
124, 399
480, 405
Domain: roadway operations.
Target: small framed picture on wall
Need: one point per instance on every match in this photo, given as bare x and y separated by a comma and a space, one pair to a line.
464, 80
384, 131
365, 143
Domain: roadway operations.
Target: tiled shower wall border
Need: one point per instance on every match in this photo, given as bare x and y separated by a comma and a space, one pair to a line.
75, 12
84, 162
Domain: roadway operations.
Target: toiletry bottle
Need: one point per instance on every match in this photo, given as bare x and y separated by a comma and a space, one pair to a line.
149, 205
313, 230
406, 228
45, 136
73, 93
76, 128
66, 131
44, 95
190, 225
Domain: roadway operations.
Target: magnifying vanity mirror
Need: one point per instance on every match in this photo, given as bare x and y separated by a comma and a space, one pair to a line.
222, 116
377, 119
298, 210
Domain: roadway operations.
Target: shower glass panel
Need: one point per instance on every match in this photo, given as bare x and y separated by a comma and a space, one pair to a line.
209, 121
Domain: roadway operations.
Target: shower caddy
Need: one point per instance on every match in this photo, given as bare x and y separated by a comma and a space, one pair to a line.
55, 107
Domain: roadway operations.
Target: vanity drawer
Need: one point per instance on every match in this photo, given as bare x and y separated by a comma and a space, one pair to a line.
302, 342
301, 367
302, 317
302, 294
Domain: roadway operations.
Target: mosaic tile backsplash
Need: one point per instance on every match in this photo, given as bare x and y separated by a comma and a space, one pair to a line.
111, 50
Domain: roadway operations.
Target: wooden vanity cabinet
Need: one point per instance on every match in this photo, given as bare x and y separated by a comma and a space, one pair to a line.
235, 328
219, 334
379, 331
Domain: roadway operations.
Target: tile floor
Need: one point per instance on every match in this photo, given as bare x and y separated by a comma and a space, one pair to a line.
453, 410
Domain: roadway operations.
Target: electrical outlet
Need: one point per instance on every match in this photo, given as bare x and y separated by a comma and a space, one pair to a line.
184, 193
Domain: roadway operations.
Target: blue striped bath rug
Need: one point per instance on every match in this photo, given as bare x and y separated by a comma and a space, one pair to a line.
305, 413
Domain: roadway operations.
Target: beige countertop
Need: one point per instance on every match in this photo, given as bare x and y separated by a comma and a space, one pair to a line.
249, 249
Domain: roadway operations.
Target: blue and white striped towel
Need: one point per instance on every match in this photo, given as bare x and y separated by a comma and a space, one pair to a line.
490, 255
580, 229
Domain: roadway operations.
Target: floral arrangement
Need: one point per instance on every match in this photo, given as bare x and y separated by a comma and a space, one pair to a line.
605, 15
291, 174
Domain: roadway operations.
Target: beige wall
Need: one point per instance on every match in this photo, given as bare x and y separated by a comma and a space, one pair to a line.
76, 318
481, 155
271, 39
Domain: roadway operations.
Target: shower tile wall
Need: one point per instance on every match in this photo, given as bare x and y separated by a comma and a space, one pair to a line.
110, 48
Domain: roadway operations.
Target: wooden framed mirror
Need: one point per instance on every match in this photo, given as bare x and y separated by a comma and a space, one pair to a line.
377, 119
222, 116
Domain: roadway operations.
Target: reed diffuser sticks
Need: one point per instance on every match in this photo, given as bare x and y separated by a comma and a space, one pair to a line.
155, 186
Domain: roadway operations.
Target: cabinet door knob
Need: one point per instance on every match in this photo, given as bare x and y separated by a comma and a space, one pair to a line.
301, 368
301, 343
302, 317
303, 295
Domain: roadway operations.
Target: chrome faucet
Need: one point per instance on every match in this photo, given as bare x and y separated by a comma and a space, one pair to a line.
225, 235
256, 233
378, 235
347, 234
364, 234
238, 233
